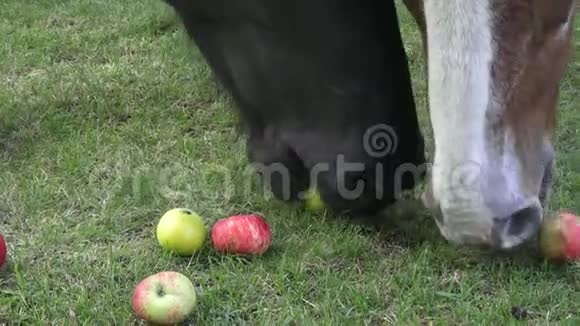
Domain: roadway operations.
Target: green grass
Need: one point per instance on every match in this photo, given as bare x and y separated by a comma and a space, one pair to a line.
108, 118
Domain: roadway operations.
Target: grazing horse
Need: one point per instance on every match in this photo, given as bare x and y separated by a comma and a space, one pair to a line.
494, 68
324, 90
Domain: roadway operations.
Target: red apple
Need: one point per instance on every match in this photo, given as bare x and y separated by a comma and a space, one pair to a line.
242, 234
165, 298
3, 250
560, 237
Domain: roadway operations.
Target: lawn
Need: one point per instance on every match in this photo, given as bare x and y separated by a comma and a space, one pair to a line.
109, 117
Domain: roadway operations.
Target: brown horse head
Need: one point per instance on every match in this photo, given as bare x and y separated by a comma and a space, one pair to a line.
494, 70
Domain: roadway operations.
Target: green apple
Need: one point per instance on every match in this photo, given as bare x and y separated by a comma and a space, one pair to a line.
181, 231
164, 298
314, 201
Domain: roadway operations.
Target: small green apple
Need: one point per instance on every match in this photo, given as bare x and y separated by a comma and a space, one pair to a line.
314, 201
181, 231
164, 298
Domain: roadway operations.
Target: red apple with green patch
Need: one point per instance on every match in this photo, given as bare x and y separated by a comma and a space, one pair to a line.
164, 298
242, 234
560, 237
3, 250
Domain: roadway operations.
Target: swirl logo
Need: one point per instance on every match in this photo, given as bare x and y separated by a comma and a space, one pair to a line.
380, 140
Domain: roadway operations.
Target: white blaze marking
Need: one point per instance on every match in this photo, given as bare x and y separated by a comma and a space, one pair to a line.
565, 28
460, 57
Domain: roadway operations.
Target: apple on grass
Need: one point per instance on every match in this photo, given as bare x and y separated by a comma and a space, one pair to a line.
242, 234
164, 298
313, 200
3, 250
182, 231
560, 237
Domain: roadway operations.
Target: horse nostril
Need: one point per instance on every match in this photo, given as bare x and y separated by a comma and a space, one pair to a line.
516, 229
